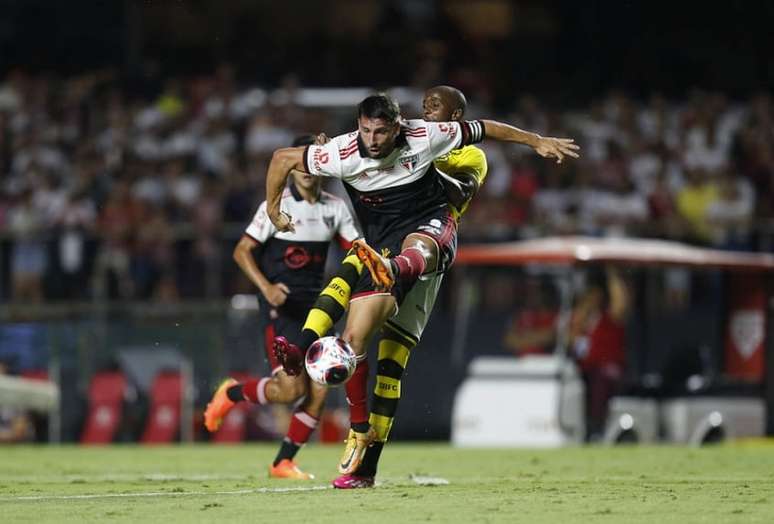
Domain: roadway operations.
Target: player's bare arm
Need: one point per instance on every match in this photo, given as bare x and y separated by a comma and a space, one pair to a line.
283, 161
546, 147
275, 294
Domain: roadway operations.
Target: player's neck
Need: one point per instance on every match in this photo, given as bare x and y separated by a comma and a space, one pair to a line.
310, 195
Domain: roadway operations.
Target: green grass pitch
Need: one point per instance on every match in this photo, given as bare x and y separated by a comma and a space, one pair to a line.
202, 483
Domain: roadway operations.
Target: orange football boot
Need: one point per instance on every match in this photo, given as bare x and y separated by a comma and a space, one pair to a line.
378, 266
219, 406
287, 469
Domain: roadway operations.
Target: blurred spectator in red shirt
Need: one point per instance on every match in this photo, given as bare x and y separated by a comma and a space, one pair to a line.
532, 329
597, 335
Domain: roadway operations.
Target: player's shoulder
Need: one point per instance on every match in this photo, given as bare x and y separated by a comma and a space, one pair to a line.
346, 144
472, 157
414, 125
285, 194
472, 152
414, 129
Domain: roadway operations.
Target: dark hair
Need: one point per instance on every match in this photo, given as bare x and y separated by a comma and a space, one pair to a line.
379, 106
303, 140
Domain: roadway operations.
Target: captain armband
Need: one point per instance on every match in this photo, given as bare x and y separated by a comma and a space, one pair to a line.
473, 132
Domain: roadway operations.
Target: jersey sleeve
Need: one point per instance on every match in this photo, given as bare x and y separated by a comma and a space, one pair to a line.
260, 227
346, 227
473, 161
445, 136
323, 160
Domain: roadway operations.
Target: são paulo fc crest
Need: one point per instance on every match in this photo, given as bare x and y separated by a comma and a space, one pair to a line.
409, 161
329, 221
747, 331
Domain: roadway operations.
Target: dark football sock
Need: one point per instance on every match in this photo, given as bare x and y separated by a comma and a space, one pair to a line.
235, 394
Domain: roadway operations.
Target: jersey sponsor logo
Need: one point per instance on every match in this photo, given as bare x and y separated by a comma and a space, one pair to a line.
297, 257
371, 200
333, 286
319, 157
408, 161
449, 130
388, 387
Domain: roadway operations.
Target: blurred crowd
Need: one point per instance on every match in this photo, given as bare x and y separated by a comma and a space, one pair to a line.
140, 192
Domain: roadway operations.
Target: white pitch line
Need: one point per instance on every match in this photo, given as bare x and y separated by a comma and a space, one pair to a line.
161, 494
197, 477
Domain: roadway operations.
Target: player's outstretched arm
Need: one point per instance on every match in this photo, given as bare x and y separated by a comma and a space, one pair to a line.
282, 162
547, 147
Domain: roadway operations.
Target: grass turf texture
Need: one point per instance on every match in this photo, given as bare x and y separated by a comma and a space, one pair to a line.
733, 483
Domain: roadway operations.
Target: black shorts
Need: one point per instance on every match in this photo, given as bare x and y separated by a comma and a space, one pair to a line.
440, 226
276, 323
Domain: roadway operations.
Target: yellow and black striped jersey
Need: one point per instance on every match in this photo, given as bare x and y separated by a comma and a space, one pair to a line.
468, 159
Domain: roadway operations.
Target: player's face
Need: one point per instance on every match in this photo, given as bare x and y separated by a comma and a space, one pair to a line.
378, 136
306, 181
435, 108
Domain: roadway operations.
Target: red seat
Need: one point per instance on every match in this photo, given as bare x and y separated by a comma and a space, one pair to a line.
35, 374
234, 427
106, 396
164, 416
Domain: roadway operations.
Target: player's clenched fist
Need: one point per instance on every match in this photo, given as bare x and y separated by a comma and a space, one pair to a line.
282, 221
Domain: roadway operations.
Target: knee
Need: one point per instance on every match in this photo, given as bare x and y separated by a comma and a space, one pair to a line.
355, 340
427, 247
291, 389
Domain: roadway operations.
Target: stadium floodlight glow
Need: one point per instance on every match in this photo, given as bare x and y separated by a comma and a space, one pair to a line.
621, 431
715, 419
583, 252
710, 430
626, 422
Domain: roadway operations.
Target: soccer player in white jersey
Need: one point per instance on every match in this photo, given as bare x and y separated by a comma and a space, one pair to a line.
289, 276
386, 166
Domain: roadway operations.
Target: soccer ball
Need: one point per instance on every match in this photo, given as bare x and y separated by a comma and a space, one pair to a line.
330, 361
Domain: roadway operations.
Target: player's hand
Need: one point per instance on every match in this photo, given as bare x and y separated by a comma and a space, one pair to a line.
283, 222
321, 139
557, 148
276, 294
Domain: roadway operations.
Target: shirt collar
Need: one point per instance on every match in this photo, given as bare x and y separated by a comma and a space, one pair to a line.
295, 192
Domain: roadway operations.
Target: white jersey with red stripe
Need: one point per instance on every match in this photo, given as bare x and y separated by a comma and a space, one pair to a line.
419, 143
298, 259
322, 221
393, 195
